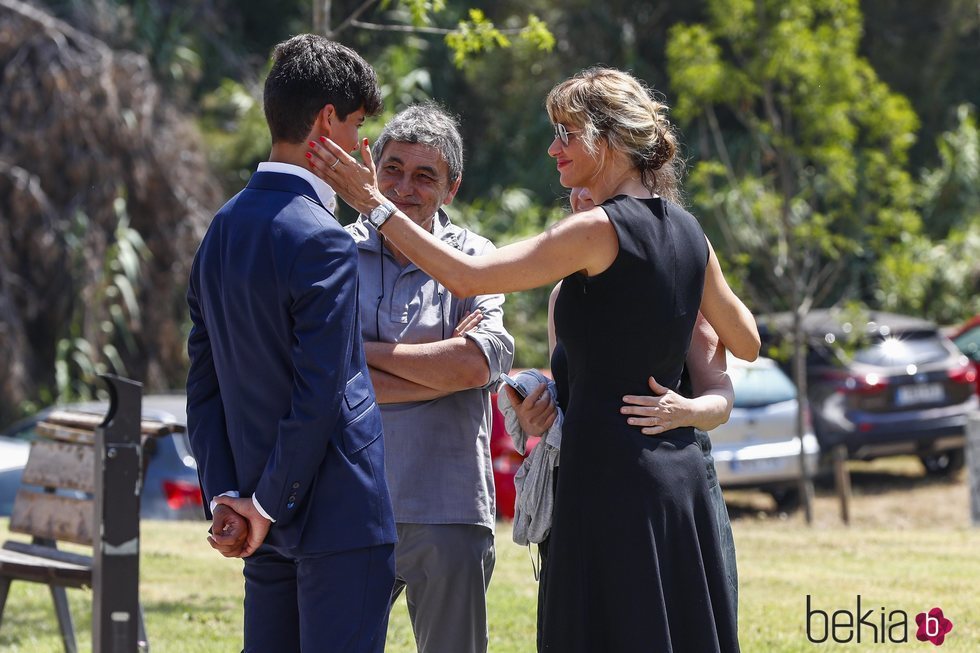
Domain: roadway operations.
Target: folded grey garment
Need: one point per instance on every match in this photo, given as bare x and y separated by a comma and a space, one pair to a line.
534, 480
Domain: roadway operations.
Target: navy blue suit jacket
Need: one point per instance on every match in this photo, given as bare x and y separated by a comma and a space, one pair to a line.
279, 401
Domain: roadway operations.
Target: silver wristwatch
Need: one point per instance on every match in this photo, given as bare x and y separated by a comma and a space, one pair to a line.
380, 214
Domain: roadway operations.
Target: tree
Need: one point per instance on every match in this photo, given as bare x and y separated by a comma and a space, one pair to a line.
928, 52
206, 60
936, 273
801, 151
472, 35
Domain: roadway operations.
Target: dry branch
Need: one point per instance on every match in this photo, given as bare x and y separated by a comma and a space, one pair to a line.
82, 125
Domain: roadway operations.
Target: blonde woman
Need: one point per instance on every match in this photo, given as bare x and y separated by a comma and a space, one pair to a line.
635, 562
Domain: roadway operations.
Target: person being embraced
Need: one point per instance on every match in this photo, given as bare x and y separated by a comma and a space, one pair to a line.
635, 560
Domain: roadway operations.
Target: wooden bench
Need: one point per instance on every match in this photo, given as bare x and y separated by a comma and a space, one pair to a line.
62, 501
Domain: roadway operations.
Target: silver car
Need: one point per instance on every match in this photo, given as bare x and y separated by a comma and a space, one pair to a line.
758, 447
13, 458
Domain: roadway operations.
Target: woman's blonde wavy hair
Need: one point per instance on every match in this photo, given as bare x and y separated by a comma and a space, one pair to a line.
612, 104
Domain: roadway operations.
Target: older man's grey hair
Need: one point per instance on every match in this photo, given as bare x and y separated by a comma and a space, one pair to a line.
428, 124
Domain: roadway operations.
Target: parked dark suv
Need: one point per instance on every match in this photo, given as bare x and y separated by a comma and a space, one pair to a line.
905, 389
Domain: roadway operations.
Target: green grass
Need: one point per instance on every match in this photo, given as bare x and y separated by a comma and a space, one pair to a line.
192, 597
909, 570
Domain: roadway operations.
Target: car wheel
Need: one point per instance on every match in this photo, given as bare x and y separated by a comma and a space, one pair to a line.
944, 463
787, 498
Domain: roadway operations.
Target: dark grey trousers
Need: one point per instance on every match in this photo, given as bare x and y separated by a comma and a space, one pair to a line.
444, 570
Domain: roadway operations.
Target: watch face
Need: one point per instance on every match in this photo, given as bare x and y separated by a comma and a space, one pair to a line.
379, 214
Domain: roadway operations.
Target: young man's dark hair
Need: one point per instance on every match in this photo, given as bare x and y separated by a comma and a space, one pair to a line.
310, 72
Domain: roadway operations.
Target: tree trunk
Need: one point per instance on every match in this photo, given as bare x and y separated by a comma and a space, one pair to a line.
799, 376
321, 17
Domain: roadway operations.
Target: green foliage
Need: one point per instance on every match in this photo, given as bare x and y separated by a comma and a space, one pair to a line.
506, 216
107, 318
698, 70
164, 33
937, 273
935, 279
234, 128
950, 192
404, 81
420, 10
801, 152
537, 34
802, 166
474, 36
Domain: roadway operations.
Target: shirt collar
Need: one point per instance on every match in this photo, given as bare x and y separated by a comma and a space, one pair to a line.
322, 189
445, 230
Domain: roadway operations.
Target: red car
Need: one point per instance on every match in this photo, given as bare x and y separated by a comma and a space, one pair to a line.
967, 339
506, 462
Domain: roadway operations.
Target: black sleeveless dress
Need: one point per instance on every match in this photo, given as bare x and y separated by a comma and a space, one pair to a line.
634, 562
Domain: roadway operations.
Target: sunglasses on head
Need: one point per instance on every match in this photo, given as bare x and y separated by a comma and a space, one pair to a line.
561, 133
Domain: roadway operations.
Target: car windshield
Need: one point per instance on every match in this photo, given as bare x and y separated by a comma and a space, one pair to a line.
916, 348
760, 386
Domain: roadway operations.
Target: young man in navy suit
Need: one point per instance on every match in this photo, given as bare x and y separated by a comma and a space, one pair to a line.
281, 413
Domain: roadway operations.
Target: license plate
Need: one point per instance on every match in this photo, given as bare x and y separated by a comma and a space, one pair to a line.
753, 466
923, 393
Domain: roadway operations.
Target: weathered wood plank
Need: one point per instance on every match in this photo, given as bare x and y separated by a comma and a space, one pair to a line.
53, 516
61, 465
68, 559
75, 418
65, 433
45, 565
89, 421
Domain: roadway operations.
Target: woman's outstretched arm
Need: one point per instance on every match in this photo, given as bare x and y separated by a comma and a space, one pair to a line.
582, 242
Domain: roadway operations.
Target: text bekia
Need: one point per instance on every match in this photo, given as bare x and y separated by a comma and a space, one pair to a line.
875, 625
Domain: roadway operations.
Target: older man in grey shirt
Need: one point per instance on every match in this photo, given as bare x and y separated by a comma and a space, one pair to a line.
433, 359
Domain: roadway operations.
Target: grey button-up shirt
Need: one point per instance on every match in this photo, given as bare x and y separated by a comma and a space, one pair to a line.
437, 453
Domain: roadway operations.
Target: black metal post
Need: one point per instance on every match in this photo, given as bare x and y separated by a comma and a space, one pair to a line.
116, 550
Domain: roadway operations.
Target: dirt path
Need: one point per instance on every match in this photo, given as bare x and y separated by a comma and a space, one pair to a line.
888, 493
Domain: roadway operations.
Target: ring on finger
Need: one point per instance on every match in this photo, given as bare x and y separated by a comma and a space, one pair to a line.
335, 163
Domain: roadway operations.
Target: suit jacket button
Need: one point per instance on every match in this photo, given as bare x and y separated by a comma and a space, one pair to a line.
295, 486
292, 498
